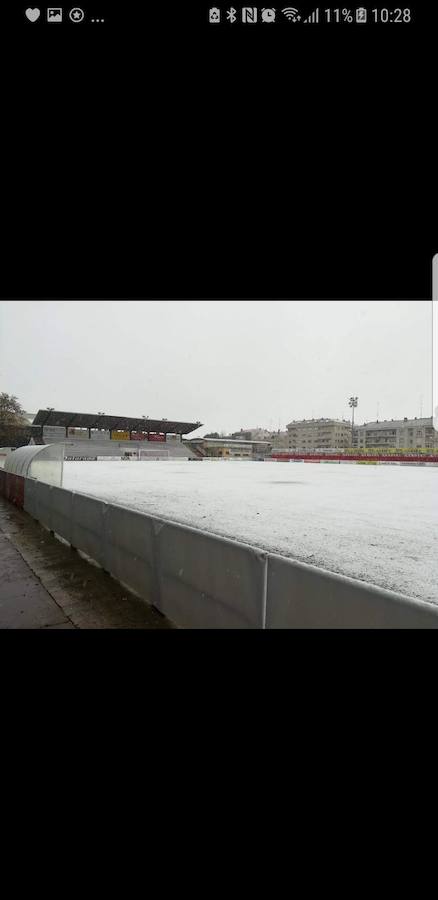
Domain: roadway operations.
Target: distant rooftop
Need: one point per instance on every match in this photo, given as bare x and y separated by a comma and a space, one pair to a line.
425, 422
318, 422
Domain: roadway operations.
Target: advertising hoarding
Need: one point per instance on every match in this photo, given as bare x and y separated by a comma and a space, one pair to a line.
78, 433
54, 432
98, 434
120, 435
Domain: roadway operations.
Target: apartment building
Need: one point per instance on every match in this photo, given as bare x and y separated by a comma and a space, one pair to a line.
278, 439
228, 448
311, 434
251, 434
409, 434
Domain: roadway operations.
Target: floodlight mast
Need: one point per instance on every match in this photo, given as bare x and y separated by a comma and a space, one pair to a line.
353, 401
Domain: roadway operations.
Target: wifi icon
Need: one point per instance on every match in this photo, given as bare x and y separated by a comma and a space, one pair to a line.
291, 14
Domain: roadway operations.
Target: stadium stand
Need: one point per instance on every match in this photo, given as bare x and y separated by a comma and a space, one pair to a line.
53, 418
111, 449
98, 436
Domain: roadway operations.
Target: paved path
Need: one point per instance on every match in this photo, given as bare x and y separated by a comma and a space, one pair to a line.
44, 584
24, 602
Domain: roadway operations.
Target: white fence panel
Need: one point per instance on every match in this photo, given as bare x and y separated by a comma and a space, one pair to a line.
88, 527
62, 513
302, 596
129, 549
207, 581
42, 501
30, 500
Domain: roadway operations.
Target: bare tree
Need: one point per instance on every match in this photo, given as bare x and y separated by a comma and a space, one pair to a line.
11, 411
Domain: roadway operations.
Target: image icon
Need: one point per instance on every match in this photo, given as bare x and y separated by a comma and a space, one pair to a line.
54, 14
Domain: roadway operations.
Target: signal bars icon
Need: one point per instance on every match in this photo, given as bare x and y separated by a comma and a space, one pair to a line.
313, 19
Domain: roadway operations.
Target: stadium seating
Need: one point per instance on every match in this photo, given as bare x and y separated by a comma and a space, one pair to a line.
92, 449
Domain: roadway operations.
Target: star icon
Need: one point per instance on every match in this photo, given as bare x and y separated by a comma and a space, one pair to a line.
76, 14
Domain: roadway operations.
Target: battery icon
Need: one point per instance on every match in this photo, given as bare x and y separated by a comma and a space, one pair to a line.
361, 14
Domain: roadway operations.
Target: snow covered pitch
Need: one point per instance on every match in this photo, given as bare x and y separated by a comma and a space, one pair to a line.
375, 523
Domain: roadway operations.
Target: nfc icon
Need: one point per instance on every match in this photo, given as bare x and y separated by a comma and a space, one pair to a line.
249, 14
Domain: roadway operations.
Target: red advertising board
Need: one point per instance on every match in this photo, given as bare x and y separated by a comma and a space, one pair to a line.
15, 489
138, 436
157, 437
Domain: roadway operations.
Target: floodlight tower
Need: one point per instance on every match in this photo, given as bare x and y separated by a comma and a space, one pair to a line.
352, 404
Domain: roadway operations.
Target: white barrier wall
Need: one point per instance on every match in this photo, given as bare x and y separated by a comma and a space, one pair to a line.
199, 580
303, 596
209, 581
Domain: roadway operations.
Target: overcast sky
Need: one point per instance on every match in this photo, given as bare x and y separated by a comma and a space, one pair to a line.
229, 364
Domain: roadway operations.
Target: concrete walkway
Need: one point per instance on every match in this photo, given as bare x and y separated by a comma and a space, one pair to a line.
44, 584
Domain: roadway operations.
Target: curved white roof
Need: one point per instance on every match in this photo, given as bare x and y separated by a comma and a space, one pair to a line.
18, 462
41, 461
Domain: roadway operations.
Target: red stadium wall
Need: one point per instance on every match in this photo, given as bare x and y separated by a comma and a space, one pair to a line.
138, 436
310, 457
12, 488
157, 437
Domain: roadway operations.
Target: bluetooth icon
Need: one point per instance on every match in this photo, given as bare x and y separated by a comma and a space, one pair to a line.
231, 14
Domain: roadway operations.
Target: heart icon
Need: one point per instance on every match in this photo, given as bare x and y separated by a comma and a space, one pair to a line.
33, 14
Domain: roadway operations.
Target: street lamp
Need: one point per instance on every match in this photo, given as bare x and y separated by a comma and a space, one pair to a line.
352, 404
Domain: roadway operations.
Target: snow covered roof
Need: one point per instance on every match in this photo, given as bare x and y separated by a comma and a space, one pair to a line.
399, 423
318, 422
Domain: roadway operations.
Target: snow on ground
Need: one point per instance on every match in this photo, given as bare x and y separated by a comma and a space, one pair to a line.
375, 523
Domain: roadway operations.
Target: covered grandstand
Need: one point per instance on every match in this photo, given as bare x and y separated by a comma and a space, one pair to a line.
52, 418
97, 435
